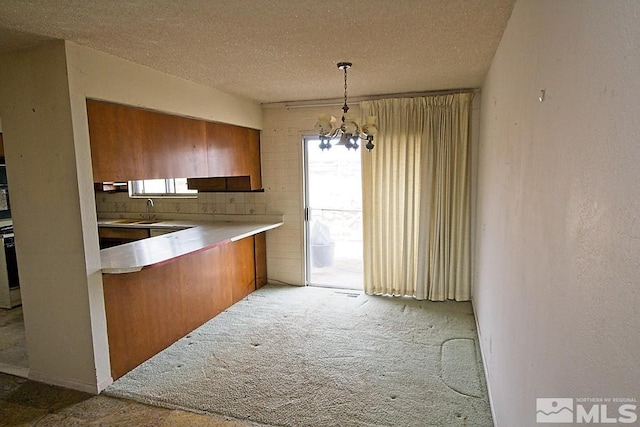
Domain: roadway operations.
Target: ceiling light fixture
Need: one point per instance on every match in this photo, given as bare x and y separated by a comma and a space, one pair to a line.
349, 131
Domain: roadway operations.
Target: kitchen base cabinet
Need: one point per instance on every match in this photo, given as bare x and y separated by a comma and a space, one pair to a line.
149, 310
260, 245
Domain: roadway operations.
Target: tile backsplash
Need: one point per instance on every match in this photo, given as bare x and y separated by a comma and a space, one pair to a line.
112, 204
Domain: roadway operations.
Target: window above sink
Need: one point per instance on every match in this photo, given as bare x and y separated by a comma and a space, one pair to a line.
169, 187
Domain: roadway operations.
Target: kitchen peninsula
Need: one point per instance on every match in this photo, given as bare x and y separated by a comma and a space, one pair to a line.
160, 288
183, 238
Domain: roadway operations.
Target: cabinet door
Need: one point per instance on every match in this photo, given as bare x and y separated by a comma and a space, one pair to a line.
241, 269
224, 146
174, 146
260, 245
234, 151
116, 149
253, 158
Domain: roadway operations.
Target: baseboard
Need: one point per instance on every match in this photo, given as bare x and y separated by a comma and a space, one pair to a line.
14, 370
484, 365
69, 383
104, 384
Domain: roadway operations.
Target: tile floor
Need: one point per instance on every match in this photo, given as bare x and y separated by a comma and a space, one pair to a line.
28, 403
13, 345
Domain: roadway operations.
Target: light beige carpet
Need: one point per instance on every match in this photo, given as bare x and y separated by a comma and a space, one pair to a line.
289, 356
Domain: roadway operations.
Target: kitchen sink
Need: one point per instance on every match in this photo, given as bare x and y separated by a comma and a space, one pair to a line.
135, 221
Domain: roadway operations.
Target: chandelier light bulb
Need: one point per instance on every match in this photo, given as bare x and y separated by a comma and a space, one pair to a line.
370, 128
324, 126
350, 126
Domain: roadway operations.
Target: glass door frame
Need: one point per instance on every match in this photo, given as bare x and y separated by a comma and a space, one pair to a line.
307, 212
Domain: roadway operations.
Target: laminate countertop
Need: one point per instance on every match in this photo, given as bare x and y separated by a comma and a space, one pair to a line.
190, 237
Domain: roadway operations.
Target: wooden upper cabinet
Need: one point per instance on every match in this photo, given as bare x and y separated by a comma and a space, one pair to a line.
234, 151
129, 143
173, 146
114, 133
254, 163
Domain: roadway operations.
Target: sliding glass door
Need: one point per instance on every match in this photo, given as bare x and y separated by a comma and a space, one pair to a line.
333, 216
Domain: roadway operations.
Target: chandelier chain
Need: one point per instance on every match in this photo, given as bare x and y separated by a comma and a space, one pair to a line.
345, 108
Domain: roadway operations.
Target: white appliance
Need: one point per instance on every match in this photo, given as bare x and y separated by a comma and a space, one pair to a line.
9, 282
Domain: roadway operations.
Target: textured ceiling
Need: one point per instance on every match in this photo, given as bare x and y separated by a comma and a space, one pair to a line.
279, 50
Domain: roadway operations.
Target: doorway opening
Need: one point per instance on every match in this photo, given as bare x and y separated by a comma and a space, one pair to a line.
13, 343
333, 216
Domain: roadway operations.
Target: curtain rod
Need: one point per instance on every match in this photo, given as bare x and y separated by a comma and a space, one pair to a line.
338, 102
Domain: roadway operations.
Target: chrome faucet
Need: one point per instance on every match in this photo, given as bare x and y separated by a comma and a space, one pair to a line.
148, 209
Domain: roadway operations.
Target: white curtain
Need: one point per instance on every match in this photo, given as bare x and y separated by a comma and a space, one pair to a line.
416, 198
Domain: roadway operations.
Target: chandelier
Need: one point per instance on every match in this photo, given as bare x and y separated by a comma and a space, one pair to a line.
349, 132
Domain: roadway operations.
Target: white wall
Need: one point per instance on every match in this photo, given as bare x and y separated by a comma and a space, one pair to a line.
42, 105
558, 224
102, 76
283, 181
41, 167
